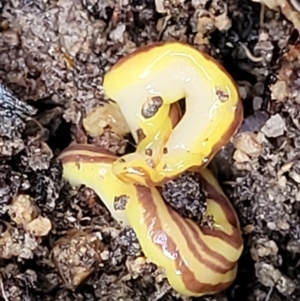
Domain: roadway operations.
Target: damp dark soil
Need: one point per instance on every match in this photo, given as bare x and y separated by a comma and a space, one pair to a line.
60, 243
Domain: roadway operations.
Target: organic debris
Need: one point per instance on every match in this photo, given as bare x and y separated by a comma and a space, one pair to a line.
60, 243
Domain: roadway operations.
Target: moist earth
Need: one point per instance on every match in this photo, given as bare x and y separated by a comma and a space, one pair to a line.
59, 243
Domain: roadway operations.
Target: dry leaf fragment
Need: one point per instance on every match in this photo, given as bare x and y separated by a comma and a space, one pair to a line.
279, 90
282, 181
222, 22
269, 276
75, 256
240, 156
287, 84
14, 242
286, 8
136, 266
106, 115
117, 34
40, 226
159, 6
247, 143
266, 247
23, 210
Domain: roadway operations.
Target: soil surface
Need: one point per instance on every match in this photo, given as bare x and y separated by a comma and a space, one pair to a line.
59, 243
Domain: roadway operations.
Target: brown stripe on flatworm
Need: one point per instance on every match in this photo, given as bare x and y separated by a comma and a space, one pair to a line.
227, 264
191, 283
224, 261
235, 239
222, 201
88, 147
79, 158
84, 153
175, 114
191, 236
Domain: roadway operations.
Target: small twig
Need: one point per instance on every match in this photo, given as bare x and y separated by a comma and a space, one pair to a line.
131, 143
250, 56
269, 293
2, 290
164, 26
40, 127
295, 4
231, 183
262, 16
161, 292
